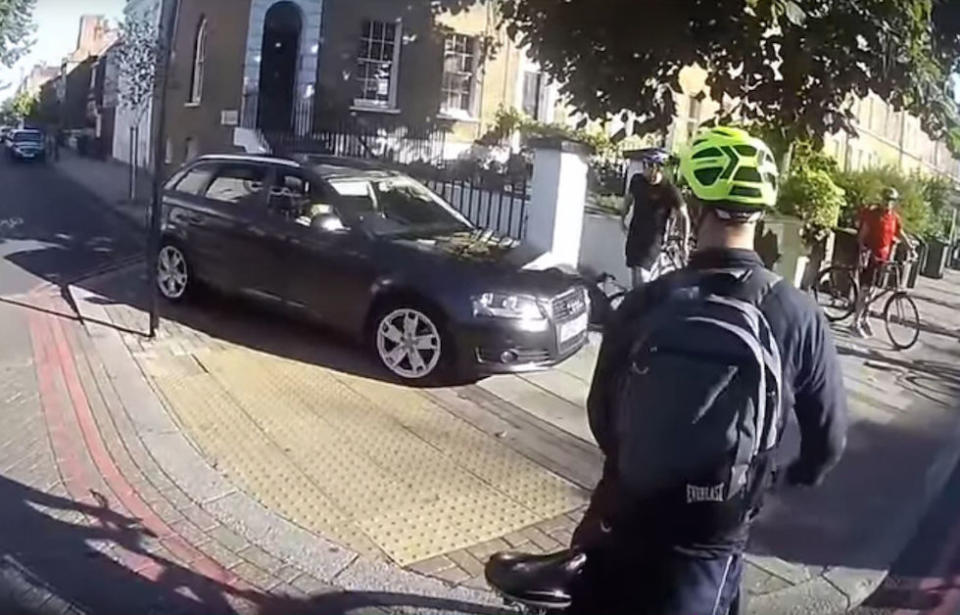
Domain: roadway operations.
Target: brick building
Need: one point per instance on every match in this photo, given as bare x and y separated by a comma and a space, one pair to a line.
259, 65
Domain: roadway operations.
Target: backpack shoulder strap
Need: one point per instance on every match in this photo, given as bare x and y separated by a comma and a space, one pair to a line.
755, 284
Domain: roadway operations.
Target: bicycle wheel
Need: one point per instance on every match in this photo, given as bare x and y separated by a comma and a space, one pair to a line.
902, 320
836, 293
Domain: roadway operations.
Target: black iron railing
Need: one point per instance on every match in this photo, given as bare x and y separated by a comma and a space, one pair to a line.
495, 199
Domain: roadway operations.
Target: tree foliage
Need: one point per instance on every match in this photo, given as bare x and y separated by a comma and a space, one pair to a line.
138, 50
21, 106
791, 64
25, 105
16, 28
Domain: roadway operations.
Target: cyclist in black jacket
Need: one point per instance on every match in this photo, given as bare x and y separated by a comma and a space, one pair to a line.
637, 549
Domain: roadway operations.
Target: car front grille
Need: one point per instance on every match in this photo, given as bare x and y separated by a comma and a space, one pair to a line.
569, 305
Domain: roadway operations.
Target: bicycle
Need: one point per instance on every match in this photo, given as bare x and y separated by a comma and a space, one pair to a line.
837, 289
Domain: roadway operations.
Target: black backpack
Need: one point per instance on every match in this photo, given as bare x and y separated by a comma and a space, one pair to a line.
700, 401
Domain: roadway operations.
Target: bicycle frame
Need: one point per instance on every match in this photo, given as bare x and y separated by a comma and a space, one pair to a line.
881, 288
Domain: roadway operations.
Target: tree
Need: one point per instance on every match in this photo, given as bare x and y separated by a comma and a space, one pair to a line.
138, 49
7, 114
25, 105
790, 64
16, 27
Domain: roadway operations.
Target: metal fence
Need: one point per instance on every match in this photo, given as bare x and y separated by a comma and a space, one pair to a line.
490, 198
305, 127
500, 208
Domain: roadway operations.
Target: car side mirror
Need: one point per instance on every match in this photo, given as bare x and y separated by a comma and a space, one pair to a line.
327, 223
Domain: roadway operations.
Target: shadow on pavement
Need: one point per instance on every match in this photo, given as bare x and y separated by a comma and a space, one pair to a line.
250, 324
41, 555
828, 526
54, 229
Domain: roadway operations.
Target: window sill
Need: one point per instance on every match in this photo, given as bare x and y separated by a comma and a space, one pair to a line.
373, 109
192, 104
458, 116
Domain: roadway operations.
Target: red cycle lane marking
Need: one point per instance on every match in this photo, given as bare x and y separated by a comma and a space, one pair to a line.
55, 362
70, 459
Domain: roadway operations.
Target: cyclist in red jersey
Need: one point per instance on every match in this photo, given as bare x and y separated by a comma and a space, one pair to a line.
880, 229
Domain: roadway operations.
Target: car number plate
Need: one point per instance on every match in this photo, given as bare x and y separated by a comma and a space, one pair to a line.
572, 329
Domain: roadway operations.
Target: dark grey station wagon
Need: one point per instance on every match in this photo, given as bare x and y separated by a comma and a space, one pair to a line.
371, 252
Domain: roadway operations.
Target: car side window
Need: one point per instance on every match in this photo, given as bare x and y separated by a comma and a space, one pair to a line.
195, 180
238, 184
289, 195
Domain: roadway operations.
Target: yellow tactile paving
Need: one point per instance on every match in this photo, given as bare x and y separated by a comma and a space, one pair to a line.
240, 449
369, 461
511, 473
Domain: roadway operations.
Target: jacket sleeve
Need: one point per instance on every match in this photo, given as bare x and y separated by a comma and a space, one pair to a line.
820, 401
614, 353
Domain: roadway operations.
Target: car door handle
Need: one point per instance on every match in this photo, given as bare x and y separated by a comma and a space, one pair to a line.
194, 218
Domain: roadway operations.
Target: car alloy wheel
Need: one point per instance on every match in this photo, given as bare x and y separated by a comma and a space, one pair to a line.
172, 276
408, 343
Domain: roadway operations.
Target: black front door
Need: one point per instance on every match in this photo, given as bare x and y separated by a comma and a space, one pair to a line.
278, 67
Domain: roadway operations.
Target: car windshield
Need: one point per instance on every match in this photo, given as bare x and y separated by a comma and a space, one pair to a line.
396, 206
31, 137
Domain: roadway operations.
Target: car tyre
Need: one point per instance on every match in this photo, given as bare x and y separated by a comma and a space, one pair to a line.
174, 279
411, 341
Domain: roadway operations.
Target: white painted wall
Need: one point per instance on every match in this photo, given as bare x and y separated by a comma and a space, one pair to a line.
602, 247
311, 13
126, 117
557, 200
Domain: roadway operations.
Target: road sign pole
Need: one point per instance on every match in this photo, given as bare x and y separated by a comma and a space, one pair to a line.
168, 24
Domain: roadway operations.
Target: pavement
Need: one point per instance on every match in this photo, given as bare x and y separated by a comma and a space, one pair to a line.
243, 461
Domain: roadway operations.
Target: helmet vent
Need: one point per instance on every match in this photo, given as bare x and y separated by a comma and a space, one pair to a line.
708, 153
748, 174
708, 177
745, 150
745, 191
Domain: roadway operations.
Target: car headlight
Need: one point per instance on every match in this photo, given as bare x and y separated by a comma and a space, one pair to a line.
506, 305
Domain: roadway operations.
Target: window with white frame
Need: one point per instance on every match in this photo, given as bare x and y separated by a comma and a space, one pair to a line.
459, 74
199, 59
378, 63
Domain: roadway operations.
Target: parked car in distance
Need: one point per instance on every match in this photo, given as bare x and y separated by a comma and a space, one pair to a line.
371, 252
27, 145
5, 134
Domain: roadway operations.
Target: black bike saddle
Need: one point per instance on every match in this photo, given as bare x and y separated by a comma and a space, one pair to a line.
538, 580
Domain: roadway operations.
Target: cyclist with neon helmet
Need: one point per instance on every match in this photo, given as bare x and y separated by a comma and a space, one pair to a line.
649, 203
657, 547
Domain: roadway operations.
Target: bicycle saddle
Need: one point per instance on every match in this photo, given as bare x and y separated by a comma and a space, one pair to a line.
539, 580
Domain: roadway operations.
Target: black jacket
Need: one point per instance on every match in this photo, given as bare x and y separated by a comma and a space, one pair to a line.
813, 383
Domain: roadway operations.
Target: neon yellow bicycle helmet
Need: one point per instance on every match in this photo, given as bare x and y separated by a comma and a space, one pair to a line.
730, 170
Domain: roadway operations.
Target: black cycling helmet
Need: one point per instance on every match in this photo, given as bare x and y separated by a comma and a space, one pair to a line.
890, 194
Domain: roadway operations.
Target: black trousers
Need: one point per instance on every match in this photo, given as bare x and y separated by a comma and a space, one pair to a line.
664, 583
634, 575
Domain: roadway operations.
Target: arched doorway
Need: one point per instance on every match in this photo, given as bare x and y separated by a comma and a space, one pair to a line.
278, 66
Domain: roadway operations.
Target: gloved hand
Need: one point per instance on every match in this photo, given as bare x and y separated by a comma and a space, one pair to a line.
800, 473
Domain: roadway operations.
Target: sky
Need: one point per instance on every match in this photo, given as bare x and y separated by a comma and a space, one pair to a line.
58, 22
